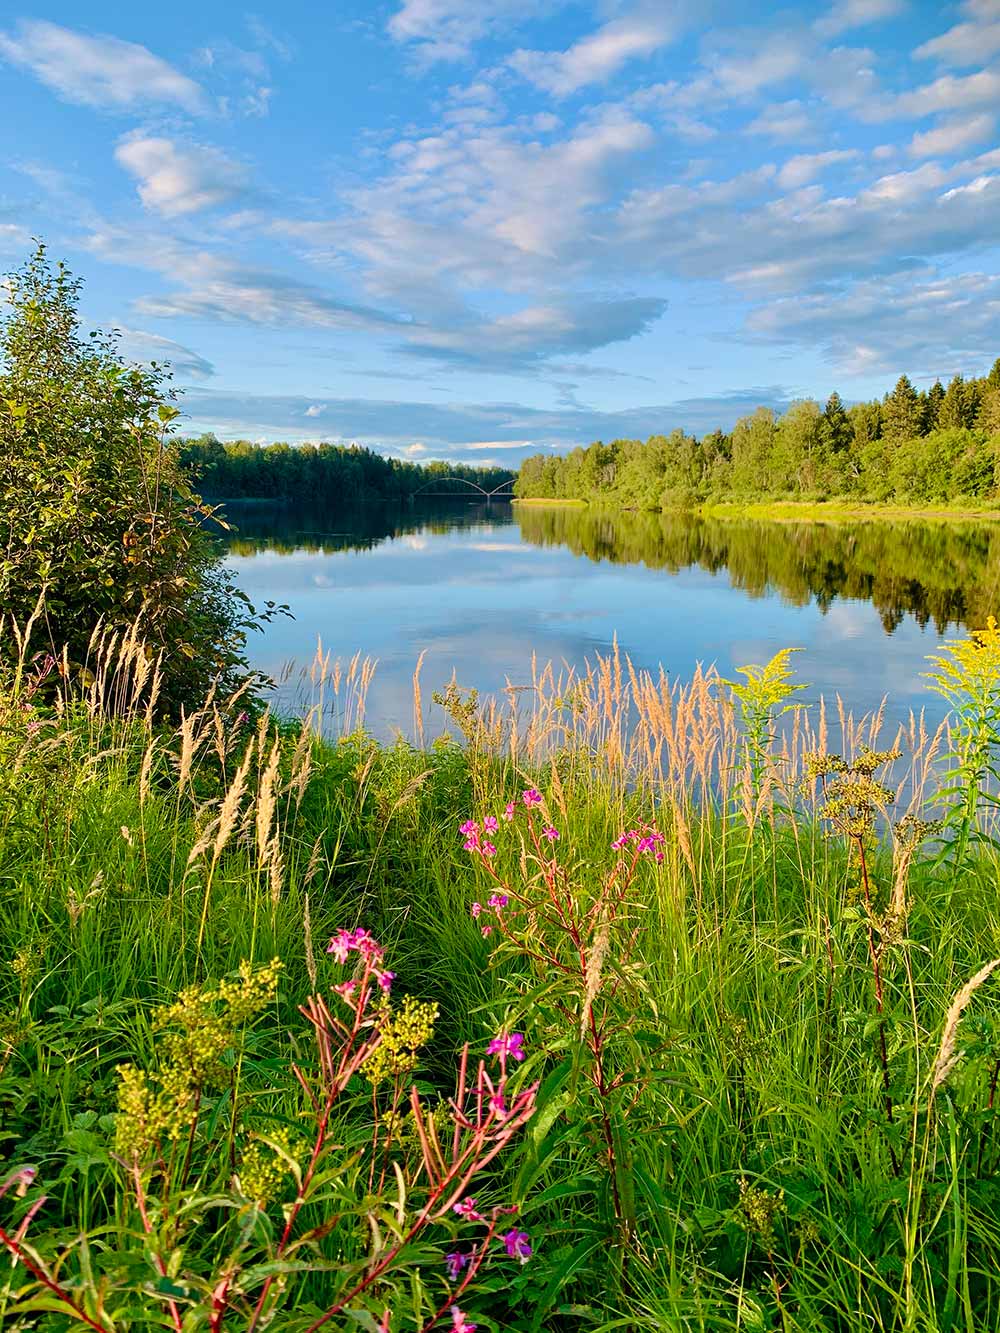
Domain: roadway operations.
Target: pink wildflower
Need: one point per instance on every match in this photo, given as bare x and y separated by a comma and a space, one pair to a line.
504, 1047
467, 1209
551, 833
487, 932
490, 824
476, 909
459, 1323
518, 1245
454, 1263
346, 989
386, 979
471, 843
508, 814
497, 901
340, 946
469, 828
488, 849
532, 796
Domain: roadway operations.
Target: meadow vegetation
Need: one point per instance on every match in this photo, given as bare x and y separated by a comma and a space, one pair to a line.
624, 1005
611, 1003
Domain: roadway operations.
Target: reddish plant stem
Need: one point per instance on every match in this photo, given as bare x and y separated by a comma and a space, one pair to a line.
40, 1275
140, 1199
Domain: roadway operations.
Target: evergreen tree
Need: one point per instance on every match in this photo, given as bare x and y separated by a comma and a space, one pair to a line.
835, 432
932, 414
954, 411
901, 413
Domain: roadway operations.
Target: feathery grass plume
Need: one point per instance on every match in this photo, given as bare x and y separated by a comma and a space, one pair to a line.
266, 804
301, 765
418, 703
595, 968
229, 811
947, 1056
307, 940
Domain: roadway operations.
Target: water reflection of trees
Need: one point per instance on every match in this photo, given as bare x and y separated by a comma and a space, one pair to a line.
947, 574
326, 530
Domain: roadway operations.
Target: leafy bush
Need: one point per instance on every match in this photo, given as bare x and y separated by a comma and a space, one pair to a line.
98, 517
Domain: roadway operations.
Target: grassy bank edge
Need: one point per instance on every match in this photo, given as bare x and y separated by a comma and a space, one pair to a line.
789, 511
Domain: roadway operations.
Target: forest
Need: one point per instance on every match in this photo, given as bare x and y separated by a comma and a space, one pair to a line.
913, 447
319, 473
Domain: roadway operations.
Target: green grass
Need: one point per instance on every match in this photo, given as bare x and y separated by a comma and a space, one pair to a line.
762, 1183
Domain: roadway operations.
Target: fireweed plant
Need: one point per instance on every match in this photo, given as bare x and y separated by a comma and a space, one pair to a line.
569, 946
733, 997
226, 1215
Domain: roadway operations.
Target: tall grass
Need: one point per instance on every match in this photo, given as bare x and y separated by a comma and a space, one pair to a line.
767, 1091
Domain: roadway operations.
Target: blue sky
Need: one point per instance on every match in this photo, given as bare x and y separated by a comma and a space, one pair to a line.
476, 229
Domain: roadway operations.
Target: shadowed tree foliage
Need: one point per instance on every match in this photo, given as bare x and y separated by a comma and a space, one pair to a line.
97, 514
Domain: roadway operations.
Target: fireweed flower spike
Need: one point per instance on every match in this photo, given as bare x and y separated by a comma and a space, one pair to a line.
518, 1245
459, 1323
511, 1047
490, 824
470, 828
532, 796
551, 833
467, 1209
454, 1263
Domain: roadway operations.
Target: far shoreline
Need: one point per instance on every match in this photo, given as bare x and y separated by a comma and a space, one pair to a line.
787, 511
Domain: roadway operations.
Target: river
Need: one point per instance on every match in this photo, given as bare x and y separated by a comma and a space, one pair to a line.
482, 588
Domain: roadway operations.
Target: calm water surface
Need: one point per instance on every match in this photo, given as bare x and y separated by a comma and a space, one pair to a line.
483, 587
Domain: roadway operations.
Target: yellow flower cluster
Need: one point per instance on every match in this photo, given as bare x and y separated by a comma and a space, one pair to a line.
265, 1169
403, 1032
760, 1209
206, 1023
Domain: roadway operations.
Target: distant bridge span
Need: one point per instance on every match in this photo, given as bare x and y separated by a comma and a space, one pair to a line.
464, 481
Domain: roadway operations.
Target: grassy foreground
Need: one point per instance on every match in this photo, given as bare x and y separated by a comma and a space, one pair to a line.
740, 1045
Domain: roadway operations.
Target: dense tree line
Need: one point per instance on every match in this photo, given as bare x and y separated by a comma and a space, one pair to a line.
319, 473
914, 446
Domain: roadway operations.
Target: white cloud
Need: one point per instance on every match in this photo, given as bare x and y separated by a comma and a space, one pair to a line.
138, 345
945, 323
315, 410
781, 120
970, 42
101, 71
448, 29
848, 14
596, 57
13, 238
950, 93
180, 178
952, 136
805, 167
221, 290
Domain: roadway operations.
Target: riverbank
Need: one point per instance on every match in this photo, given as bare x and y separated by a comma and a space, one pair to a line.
803, 511
739, 1033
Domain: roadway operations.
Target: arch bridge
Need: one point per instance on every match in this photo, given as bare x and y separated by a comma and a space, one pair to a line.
496, 493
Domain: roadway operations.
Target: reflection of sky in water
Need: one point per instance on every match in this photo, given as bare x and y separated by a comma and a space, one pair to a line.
480, 601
